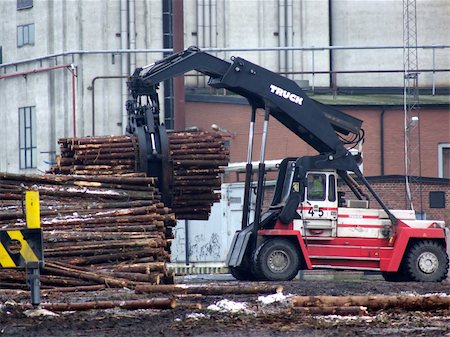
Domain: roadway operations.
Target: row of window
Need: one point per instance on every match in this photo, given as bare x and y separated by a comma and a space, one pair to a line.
25, 33
316, 183
27, 138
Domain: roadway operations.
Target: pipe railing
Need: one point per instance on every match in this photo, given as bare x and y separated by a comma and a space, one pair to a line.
313, 50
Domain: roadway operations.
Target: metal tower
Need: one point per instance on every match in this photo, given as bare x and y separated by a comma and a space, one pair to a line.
411, 107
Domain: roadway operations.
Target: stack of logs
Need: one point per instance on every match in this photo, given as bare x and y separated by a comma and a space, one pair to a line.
98, 230
198, 159
110, 155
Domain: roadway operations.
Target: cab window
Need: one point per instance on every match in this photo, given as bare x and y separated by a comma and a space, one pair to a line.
331, 187
316, 186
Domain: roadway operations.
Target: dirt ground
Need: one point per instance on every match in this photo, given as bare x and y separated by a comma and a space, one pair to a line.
259, 321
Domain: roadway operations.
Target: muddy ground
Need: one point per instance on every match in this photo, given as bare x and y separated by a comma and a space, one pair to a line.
260, 321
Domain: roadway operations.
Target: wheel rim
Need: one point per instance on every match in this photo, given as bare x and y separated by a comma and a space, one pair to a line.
428, 262
278, 261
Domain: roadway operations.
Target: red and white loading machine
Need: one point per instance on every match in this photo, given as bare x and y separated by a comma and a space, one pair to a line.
309, 224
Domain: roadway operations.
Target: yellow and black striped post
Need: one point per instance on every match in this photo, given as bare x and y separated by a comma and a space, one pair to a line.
22, 248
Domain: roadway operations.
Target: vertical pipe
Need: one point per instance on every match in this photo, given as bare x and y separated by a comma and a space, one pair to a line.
179, 112
282, 34
248, 171
313, 69
289, 14
213, 22
132, 29
124, 59
200, 24
433, 91
207, 18
330, 39
74, 118
382, 142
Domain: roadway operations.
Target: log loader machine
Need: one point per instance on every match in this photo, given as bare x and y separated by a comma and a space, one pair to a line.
309, 224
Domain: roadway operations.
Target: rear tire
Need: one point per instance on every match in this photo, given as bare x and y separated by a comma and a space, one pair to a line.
277, 260
427, 261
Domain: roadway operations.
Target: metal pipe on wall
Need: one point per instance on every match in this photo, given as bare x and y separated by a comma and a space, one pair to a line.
132, 30
289, 8
124, 24
179, 112
213, 22
282, 33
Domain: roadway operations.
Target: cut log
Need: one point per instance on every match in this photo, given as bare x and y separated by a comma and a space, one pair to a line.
209, 289
343, 311
375, 302
153, 303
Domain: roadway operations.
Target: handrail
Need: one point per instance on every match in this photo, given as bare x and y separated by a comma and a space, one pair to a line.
256, 49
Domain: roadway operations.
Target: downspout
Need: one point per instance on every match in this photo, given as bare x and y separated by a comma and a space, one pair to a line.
179, 112
93, 97
330, 39
213, 14
382, 142
282, 34
289, 9
124, 60
132, 26
74, 70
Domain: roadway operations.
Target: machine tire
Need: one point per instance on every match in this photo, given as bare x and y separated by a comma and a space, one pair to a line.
241, 274
427, 261
277, 259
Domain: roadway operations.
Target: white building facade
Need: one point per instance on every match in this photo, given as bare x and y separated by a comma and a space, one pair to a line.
45, 43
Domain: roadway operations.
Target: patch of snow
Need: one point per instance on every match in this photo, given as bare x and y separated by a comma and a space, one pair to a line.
196, 316
278, 297
39, 313
229, 306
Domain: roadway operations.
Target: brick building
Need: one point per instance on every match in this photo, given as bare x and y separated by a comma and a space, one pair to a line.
383, 149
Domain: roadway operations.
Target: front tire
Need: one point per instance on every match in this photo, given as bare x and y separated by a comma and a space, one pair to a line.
427, 261
277, 260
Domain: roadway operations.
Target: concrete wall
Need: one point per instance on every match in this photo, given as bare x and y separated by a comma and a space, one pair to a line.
67, 25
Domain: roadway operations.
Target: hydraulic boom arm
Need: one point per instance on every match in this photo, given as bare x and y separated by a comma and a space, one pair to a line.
315, 123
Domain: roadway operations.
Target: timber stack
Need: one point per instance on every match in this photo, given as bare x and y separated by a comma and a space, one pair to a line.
198, 160
98, 230
109, 155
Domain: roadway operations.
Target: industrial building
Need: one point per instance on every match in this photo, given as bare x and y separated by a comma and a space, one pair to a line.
64, 66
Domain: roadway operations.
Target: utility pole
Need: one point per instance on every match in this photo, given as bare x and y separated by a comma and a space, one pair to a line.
413, 169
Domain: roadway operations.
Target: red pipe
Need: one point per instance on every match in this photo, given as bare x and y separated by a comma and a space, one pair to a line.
72, 68
35, 71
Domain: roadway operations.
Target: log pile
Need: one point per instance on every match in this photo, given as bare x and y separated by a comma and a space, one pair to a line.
110, 155
98, 230
198, 159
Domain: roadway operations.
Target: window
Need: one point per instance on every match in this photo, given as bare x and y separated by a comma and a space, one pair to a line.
27, 137
444, 160
316, 186
437, 199
332, 188
24, 4
25, 35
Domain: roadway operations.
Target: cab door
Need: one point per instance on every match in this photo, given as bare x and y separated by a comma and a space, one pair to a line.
319, 208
